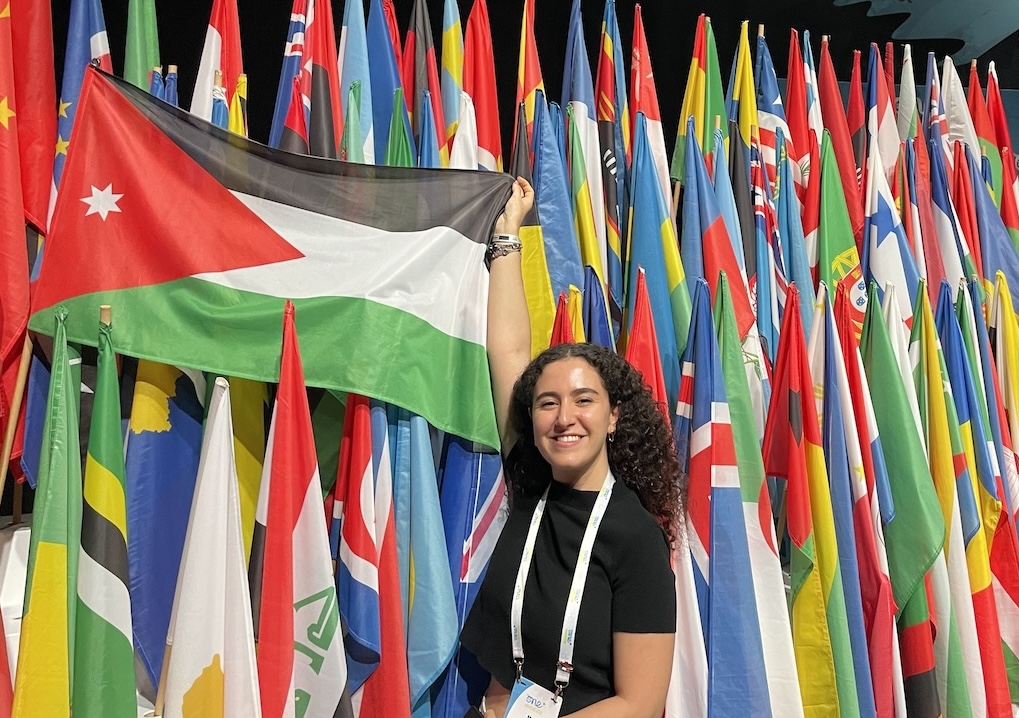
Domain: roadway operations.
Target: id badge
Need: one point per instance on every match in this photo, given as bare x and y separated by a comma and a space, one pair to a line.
529, 700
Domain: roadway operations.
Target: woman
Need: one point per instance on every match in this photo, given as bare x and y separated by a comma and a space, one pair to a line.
577, 614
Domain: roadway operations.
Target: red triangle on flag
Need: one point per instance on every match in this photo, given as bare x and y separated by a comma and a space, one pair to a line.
171, 220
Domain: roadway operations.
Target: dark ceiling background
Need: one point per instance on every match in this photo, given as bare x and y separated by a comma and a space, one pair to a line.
669, 24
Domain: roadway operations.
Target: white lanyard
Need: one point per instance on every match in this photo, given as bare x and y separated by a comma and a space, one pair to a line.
565, 665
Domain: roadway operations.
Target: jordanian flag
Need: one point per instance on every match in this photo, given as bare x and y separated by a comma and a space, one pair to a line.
385, 265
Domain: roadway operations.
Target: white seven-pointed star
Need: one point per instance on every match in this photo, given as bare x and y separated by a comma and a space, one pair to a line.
102, 202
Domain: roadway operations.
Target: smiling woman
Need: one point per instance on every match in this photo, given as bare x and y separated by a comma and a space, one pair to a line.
578, 608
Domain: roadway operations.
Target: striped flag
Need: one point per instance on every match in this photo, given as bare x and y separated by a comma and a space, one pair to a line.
797, 141
770, 112
887, 258
461, 217
1009, 204
301, 668
845, 466
479, 83
882, 131
703, 98
960, 122
935, 123
957, 653
472, 494
981, 505
214, 664
737, 680
962, 191
705, 244
790, 232
766, 570
141, 52
984, 129
996, 109
741, 105
613, 115
529, 77
871, 503
421, 80
222, 52
451, 81
946, 220
997, 252
45, 674
104, 653
644, 100
553, 202
769, 291
386, 692
907, 116
653, 246
293, 59
916, 534
592, 249
357, 572
320, 87
384, 71
238, 119
792, 450
596, 318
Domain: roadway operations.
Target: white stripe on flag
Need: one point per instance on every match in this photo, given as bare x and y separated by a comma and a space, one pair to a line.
104, 594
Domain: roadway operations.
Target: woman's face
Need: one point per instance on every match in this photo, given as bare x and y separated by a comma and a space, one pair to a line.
572, 415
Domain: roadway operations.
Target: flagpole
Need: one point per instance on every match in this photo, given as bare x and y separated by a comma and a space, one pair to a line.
15, 414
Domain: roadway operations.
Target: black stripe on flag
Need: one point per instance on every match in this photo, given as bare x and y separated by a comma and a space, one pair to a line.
103, 541
393, 199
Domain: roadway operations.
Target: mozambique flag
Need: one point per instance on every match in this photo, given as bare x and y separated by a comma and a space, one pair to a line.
534, 266
703, 99
915, 536
272, 227
792, 451
104, 652
45, 673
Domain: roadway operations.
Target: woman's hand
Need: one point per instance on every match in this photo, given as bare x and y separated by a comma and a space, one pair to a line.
517, 207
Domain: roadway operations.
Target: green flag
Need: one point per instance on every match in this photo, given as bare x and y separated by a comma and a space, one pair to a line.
104, 652
399, 150
352, 141
142, 51
45, 669
916, 535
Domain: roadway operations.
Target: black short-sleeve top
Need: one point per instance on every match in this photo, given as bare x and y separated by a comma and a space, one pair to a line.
630, 589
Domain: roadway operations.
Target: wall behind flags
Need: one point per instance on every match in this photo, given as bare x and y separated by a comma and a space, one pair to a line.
669, 25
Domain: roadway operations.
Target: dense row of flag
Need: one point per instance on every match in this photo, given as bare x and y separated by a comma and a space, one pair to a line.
904, 564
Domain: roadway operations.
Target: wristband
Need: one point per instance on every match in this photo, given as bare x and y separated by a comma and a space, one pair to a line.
502, 244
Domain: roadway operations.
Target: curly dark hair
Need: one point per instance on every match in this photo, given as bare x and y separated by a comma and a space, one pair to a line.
642, 454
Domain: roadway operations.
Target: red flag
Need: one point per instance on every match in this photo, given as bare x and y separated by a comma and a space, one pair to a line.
642, 345
14, 297
222, 52
796, 103
389, 12
529, 77
996, 109
562, 328
479, 83
320, 83
295, 126
856, 116
298, 590
35, 88
965, 204
890, 71
420, 72
925, 208
841, 139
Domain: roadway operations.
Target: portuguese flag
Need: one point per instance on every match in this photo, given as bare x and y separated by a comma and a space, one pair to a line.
197, 237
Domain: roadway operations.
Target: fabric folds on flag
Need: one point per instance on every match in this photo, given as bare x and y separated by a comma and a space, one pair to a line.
301, 667
214, 664
222, 52
45, 673
273, 195
104, 652
479, 83
141, 52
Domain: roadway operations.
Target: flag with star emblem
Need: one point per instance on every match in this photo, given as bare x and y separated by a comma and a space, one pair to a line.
296, 241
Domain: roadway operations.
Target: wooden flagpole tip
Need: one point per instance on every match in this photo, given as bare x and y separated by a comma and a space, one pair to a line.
105, 313
760, 30
825, 38
718, 122
973, 62
171, 68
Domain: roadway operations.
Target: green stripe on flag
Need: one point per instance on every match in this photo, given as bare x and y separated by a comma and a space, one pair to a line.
445, 379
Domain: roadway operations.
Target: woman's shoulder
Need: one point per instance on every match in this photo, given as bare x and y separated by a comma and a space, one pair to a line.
628, 523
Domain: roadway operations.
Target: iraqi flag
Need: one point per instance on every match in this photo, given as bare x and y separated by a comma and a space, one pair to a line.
301, 665
386, 263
